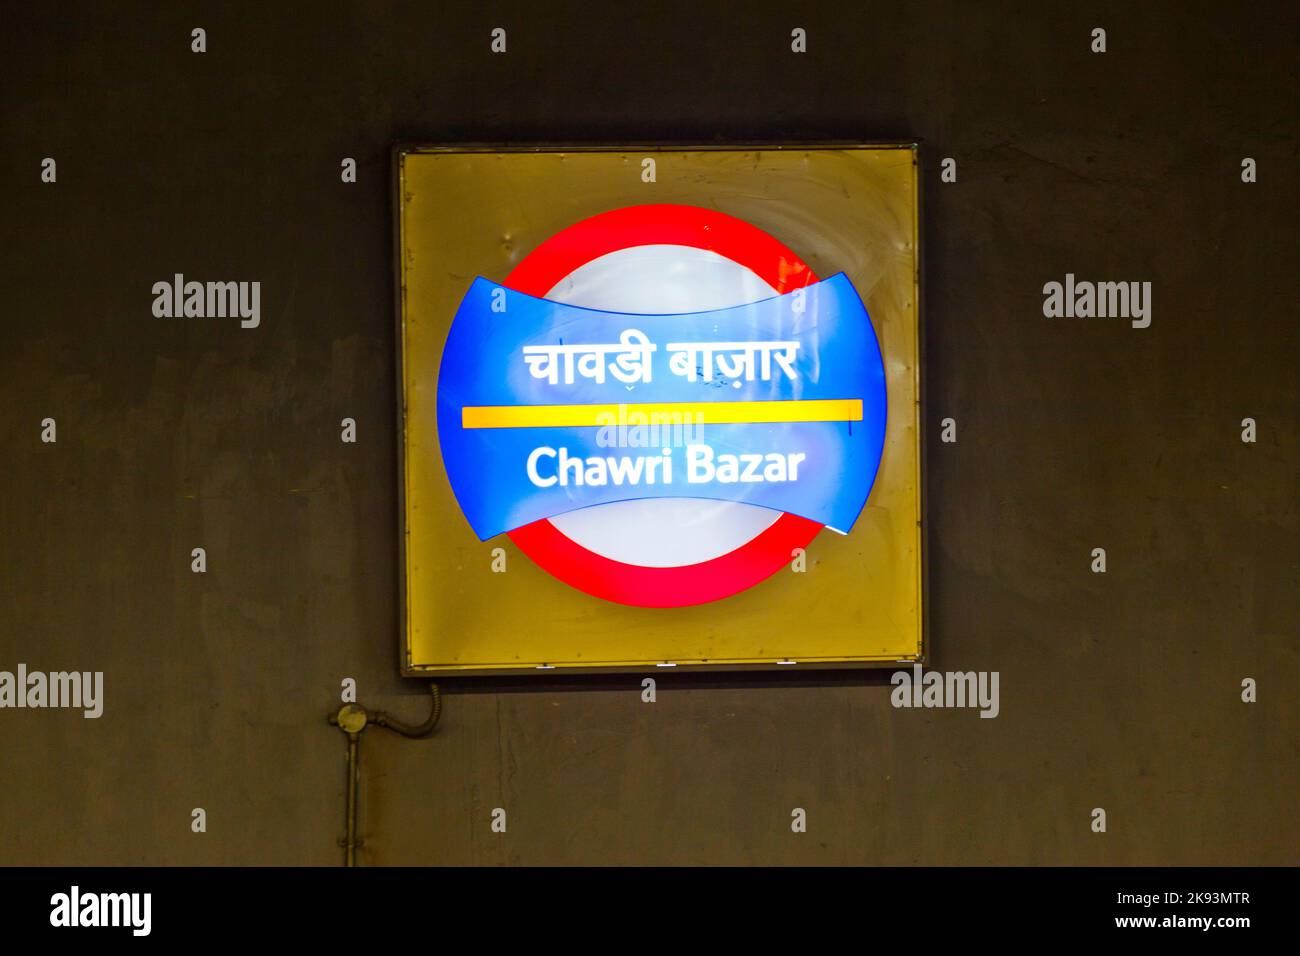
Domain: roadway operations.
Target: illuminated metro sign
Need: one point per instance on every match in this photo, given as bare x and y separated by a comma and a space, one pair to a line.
776, 403
661, 406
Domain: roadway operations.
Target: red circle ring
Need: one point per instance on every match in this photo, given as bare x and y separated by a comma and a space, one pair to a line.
756, 559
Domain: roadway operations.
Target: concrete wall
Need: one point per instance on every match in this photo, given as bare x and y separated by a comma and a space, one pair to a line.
1118, 690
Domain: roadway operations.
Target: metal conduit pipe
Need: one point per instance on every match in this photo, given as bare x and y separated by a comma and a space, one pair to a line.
352, 720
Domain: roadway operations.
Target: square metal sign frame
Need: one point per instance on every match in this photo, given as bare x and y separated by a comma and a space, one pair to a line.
471, 607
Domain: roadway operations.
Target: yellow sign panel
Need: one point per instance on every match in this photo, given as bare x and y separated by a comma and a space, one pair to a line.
659, 407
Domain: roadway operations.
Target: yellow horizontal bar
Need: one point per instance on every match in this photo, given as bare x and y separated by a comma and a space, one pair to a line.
663, 413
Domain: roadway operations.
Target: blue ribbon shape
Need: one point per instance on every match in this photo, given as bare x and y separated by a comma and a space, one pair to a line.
507, 477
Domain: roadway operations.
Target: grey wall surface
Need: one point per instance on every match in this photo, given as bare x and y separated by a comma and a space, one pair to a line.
1119, 690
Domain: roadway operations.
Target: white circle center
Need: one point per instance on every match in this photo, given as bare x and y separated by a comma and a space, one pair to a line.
661, 280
